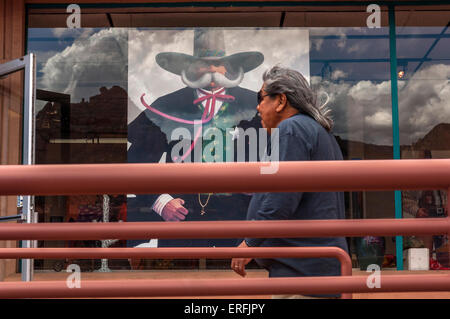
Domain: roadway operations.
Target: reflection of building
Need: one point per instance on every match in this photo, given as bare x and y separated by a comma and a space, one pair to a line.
429, 203
437, 139
94, 131
434, 144
352, 58
91, 131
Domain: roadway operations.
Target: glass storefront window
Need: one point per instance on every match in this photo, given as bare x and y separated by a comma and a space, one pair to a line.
91, 81
81, 117
351, 63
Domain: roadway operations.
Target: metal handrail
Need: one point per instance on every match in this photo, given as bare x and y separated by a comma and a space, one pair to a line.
183, 253
227, 229
221, 287
312, 176
307, 228
218, 177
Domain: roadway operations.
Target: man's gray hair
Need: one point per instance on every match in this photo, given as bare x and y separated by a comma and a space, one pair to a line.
279, 80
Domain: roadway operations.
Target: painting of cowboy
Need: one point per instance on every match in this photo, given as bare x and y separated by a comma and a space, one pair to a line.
213, 96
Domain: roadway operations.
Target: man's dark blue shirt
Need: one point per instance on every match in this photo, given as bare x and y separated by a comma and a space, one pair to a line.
301, 138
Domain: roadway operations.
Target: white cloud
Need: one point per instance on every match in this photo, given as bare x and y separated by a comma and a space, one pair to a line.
369, 91
380, 118
424, 102
95, 60
338, 74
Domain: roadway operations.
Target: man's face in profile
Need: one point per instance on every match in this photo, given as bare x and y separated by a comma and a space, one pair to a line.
267, 110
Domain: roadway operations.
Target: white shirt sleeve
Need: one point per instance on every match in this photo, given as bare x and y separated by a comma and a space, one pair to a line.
161, 202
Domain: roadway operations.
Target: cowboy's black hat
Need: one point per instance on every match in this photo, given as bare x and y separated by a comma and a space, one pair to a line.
209, 46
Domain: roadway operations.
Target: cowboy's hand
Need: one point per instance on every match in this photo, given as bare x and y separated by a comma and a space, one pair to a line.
174, 210
238, 264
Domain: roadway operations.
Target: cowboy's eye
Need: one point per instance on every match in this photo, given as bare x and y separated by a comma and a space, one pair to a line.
195, 71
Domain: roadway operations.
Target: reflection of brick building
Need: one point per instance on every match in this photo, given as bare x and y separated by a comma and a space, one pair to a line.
84, 132
437, 139
93, 131
435, 144
105, 115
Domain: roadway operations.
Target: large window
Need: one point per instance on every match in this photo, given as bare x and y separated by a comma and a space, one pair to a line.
423, 51
94, 84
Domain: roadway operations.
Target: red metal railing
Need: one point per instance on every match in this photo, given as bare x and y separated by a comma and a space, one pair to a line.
221, 287
226, 229
193, 178
165, 253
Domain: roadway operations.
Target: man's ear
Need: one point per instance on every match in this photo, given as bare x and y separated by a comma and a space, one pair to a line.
282, 100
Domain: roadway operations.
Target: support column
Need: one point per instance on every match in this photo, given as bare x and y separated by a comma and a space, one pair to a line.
395, 125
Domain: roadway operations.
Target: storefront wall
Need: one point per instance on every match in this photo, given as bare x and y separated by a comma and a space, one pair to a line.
12, 46
90, 80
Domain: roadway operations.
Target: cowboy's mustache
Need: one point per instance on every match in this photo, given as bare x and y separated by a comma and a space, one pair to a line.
218, 78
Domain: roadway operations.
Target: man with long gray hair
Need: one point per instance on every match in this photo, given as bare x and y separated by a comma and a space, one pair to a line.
287, 103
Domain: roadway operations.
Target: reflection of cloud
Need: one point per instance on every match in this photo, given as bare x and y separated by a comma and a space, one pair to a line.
145, 76
316, 43
360, 110
338, 74
363, 111
89, 63
42, 58
369, 91
424, 102
381, 118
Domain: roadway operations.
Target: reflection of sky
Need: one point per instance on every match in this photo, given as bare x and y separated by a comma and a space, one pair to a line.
351, 64
46, 42
416, 31
359, 81
359, 53
44, 39
43, 43
424, 55
79, 61
413, 42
